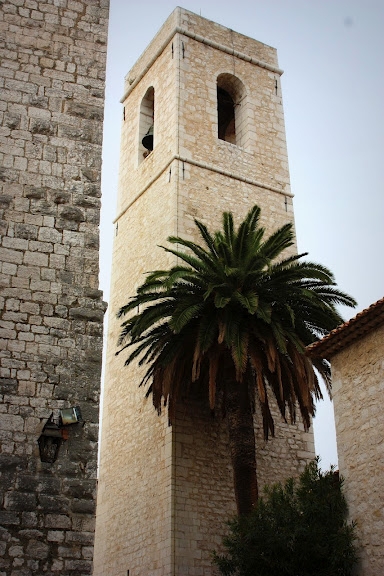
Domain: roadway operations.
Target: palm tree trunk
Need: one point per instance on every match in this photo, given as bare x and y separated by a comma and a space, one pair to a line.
242, 445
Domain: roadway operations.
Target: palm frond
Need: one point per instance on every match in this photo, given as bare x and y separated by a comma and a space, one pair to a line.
184, 313
279, 241
235, 299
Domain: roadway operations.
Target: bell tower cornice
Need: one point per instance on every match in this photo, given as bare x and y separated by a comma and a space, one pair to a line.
182, 31
162, 40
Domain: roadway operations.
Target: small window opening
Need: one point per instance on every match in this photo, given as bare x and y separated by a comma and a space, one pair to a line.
232, 124
226, 116
146, 126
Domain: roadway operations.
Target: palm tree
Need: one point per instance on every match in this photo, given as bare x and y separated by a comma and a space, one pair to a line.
235, 317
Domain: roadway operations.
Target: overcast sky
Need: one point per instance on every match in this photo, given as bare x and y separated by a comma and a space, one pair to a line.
332, 54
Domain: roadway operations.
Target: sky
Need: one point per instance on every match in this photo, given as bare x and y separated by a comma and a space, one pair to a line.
332, 54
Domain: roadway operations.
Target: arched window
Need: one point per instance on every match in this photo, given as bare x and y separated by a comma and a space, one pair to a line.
230, 109
146, 124
226, 116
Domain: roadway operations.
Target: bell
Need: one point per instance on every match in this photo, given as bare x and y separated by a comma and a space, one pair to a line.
147, 141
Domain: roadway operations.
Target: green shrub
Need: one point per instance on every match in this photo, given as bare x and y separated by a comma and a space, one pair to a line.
298, 529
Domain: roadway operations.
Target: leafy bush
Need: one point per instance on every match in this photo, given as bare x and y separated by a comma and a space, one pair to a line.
298, 529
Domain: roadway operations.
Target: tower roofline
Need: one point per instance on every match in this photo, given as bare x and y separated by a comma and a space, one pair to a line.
193, 26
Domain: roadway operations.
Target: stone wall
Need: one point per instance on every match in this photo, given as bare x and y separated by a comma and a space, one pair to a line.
166, 492
53, 58
358, 384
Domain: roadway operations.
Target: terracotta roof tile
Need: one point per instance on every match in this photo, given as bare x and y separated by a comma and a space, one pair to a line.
349, 332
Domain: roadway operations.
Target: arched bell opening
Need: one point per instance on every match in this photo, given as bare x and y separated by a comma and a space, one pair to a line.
226, 116
146, 125
230, 109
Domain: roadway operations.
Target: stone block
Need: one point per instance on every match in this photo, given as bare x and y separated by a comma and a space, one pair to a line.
80, 489
29, 519
13, 256
20, 501
15, 551
57, 521
60, 197
37, 549
31, 534
42, 126
53, 504
83, 507
32, 425
49, 485
55, 535
10, 422
87, 552
49, 235
79, 566
69, 551
9, 518
35, 259
73, 214
27, 483
84, 110
86, 314
8, 385
79, 537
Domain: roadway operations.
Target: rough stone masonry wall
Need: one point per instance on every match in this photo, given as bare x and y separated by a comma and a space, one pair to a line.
53, 57
358, 387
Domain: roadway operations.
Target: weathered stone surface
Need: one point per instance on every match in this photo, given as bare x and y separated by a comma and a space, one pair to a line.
8, 385
84, 110
36, 549
83, 507
5, 200
84, 489
11, 462
9, 518
41, 126
57, 521
78, 566
27, 483
53, 504
358, 385
19, 501
61, 197
52, 59
91, 175
26, 231
87, 314
72, 213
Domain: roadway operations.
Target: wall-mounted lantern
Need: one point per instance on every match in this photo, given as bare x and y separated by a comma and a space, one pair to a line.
54, 434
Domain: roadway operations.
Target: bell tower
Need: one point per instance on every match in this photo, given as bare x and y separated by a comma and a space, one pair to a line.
206, 103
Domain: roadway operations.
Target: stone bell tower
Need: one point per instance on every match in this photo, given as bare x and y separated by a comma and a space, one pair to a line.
209, 101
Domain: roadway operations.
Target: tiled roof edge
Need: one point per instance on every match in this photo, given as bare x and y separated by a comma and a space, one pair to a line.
349, 332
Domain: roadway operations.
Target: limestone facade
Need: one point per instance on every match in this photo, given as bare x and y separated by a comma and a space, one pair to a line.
356, 351
52, 73
166, 492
